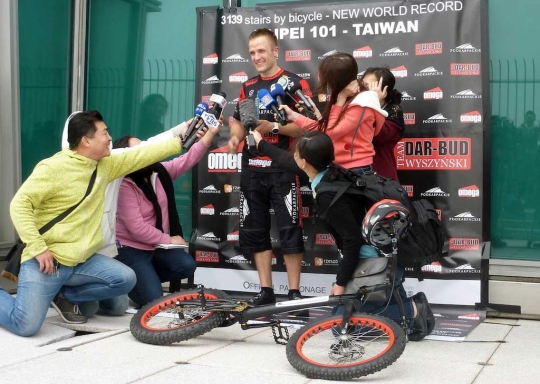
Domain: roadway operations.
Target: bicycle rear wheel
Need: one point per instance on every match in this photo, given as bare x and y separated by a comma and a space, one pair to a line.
319, 350
161, 322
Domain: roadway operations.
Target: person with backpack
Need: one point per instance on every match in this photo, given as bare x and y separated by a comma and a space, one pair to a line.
382, 81
314, 156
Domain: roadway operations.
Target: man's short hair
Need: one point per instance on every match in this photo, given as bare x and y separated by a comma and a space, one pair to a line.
264, 32
82, 124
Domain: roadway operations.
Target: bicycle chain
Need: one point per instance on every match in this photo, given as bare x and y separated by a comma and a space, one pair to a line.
240, 307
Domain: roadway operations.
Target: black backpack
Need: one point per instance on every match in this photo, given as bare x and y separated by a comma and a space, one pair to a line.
426, 238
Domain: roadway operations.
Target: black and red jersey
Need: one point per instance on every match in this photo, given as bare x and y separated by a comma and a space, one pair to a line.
254, 160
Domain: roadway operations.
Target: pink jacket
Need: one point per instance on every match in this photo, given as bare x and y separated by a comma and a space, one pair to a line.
136, 218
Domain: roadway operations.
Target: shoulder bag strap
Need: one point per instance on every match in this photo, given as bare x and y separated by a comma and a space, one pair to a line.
65, 214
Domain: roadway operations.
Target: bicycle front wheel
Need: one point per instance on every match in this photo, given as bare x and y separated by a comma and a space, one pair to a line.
320, 349
165, 321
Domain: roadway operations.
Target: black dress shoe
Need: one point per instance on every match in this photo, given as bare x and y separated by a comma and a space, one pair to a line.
430, 320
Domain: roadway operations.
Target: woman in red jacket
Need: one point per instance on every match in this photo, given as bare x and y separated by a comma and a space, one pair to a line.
353, 114
382, 81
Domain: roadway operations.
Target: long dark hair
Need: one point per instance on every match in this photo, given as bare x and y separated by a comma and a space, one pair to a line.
393, 96
335, 73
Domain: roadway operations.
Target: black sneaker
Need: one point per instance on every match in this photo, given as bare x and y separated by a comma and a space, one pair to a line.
68, 311
424, 322
295, 295
262, 298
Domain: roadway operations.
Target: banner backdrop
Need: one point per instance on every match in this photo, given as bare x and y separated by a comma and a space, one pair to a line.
434, 50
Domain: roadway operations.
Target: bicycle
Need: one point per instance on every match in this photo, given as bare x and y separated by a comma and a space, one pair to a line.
321, 349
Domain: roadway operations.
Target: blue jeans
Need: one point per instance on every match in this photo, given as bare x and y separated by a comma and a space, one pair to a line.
154, 267
115, 306
98, 278
365, 170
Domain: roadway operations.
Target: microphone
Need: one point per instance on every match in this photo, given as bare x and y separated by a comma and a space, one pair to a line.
199, 109
248, 117
210, 119
269, 103
297, 90
219, 103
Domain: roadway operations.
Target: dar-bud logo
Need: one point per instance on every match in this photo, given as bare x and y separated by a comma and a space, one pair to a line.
206, 257
210, 59
298, 55
410, 118
238, 77
445, 153
400, 71
208, 210
470, 191
464, 244
422, 49
433, 94
363, 53
473, 117
219, 160
324, 239
465, 69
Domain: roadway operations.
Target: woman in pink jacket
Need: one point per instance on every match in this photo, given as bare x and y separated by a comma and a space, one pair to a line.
353, 114
147, 216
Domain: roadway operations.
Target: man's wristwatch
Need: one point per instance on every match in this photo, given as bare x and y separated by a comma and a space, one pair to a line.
275, 130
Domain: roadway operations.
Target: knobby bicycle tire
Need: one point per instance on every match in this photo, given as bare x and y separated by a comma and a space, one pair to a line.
320, 351
144, 324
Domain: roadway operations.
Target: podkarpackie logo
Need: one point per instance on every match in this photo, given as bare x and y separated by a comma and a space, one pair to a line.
238, 259
470, 191
396, 51
409, 118
209, 237
465, 69
437, 119
465, 48
400, 72
209, 189
298, 55
435, 192
329, 53
465, 216
363, 53
212, 80
234, 211
433, 94
208, 210
473, 117
206, 257
448, 153
464, 244
422, 49
429, 71
236, 58
238, 77
219, 160
466, 94
406, 97
210, 59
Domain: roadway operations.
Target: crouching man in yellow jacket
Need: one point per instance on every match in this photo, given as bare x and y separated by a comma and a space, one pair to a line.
62, 264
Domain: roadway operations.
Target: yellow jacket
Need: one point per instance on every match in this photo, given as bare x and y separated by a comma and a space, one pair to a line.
60, 182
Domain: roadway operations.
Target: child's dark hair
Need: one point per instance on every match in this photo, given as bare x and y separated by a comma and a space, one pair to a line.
122, 142
393, 96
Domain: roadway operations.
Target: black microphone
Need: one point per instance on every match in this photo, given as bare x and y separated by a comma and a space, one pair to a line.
219, 103
248, 117
213, 115
199, 109
297, 90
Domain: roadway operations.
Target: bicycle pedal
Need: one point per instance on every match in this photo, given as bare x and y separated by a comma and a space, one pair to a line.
281, 337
